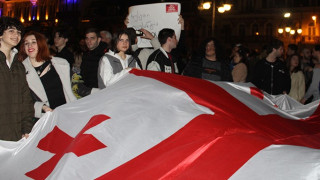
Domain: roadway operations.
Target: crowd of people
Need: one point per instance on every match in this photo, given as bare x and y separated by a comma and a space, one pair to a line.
40, 77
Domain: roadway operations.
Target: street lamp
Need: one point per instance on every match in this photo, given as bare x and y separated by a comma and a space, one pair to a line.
227, 7
287, 15
292, 31
280, 30
287, 29
299, 31
221, 9
206, 5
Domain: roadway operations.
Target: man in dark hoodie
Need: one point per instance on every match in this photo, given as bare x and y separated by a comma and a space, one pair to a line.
91, 58
61, 38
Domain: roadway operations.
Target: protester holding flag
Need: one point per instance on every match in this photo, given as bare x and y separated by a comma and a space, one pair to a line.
48, 77
116, 62
15, 100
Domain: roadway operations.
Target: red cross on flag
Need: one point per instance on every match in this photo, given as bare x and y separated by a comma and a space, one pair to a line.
153, 125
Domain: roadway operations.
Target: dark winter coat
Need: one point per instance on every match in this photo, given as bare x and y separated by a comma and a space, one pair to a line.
16, 105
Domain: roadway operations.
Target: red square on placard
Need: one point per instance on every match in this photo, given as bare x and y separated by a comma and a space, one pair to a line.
171, 8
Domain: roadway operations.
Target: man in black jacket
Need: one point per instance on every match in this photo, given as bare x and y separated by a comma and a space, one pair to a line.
162, 59
61, 38
91, 58
271, 74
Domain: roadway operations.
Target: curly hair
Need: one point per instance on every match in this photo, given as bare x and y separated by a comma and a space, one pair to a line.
218, 48
9, 22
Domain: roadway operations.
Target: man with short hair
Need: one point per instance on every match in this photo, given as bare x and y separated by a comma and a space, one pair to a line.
271, 74
16, 105
162, 59
91, 58
61, 38
313, 89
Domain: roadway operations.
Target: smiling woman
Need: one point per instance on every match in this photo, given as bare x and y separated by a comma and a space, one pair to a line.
48, 77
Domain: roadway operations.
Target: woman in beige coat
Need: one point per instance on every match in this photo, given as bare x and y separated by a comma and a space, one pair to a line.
298, 85
240, 70
48, 77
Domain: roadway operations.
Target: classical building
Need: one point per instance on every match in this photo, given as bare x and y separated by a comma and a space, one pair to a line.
251, 22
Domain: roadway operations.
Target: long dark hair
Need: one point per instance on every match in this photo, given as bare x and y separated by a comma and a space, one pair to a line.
116, 40
296, 69
218, 48
242, 51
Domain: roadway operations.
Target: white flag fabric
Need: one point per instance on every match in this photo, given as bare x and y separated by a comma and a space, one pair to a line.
153, 125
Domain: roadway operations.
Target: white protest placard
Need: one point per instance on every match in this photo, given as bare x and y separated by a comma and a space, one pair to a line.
154, 17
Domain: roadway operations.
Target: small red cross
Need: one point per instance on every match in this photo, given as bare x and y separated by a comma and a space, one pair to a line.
60, 143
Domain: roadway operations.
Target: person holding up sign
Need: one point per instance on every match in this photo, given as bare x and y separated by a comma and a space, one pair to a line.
162, 59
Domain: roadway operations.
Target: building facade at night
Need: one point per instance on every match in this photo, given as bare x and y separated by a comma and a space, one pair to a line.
254, 22
251, 22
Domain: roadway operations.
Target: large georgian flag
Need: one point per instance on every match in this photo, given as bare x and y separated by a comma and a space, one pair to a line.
151, 125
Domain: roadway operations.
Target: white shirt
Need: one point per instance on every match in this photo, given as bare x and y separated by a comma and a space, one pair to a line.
12, 53
105, 70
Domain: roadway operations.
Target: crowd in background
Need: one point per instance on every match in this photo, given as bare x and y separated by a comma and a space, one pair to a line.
43, 75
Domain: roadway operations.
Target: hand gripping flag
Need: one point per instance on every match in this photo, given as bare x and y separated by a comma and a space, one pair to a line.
152, 125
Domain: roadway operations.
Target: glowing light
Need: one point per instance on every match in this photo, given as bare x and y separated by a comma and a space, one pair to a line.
314, 18
38, 17
206, 5
287, 29
56, 20
257, 33
299, 31
221, 9
292, 32
29, 18
22, 20
34, 2
33, 17
280, 30
287, 15
47, 17
227, 7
